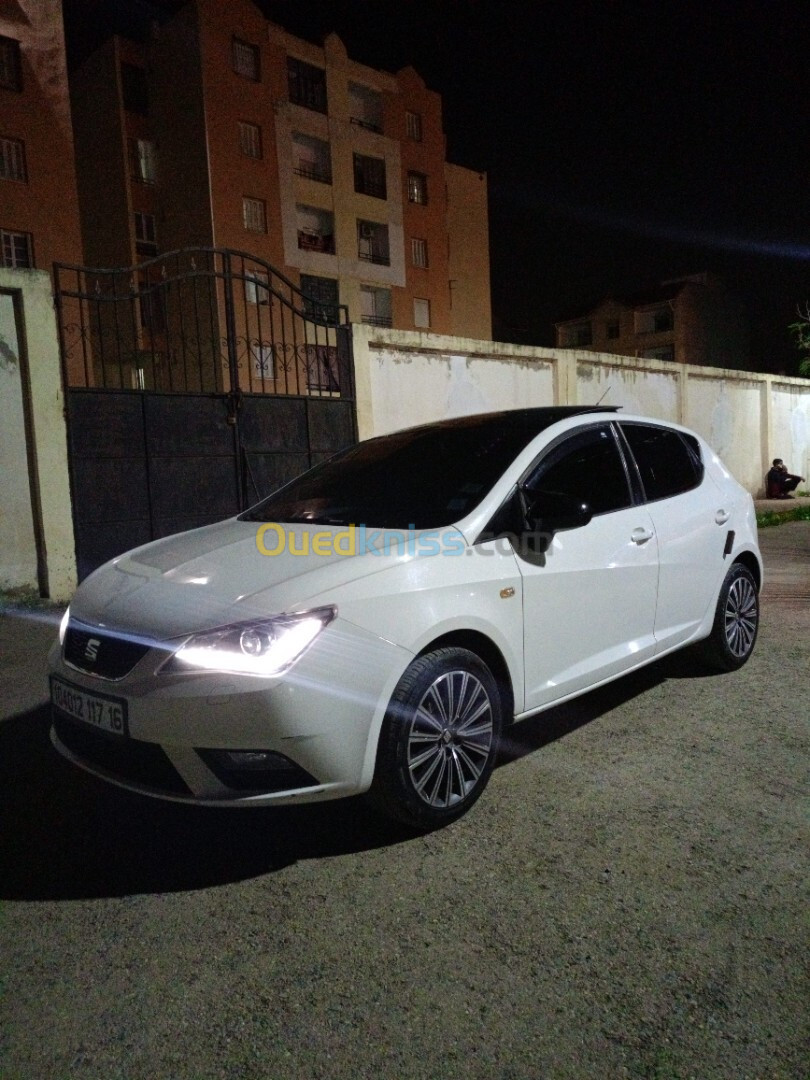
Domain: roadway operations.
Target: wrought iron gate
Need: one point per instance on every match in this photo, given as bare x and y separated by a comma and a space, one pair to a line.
195, 384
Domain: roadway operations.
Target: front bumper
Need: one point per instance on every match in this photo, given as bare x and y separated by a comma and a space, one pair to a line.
319, 722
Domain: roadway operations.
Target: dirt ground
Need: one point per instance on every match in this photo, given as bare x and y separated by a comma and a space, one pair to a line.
628, 899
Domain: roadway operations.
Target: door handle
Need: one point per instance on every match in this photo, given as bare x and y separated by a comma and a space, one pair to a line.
641, 535
722, 516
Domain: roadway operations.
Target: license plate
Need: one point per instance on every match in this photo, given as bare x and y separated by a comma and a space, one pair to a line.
99, 710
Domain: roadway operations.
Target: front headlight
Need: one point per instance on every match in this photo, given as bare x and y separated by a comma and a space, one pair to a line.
259, 647
63, 625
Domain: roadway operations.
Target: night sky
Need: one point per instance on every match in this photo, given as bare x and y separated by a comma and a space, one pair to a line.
624, 142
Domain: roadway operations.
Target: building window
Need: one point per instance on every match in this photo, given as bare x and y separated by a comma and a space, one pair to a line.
17, 250
256, 288
612, 330
254, 215
417, 188
145, 237
250, 139
413, 126
372, 243
419, 256
578, 336
264, 360
10, 67
421, 313
662, 352
11, 70
12, 160
320, 298
143, 161
246, 60
365, 107
153, 310
134, 89
657, 320
369, 176
375, 306
322, 368
306, 84
311, 158
316, 229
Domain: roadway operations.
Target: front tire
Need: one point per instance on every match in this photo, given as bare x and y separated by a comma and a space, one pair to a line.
736, 621
439, 739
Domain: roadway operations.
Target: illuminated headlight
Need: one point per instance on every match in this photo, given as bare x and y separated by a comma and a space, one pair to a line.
264, 647
63, 625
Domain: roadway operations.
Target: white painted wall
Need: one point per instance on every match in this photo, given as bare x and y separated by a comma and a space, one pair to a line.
405, 378
47, 484
791, 427
17, 539
636, 389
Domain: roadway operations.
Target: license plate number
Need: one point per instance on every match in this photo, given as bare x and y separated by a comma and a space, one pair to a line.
107, 713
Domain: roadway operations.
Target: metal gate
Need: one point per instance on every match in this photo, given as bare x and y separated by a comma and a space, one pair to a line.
196, 383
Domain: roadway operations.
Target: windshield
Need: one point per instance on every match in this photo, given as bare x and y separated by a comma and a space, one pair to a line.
423, 478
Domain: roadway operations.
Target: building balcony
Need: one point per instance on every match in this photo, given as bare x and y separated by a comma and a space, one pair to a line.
368, 125
314, 172
377, 320
314, 242
374, 254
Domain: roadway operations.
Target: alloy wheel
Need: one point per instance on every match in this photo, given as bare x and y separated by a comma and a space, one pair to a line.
450, 739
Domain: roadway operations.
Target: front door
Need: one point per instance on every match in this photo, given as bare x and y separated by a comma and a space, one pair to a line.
589, 600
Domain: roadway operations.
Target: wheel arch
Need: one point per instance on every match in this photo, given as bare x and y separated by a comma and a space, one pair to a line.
749, 560
492, 656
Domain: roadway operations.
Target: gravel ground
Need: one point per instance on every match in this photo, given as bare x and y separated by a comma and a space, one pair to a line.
627, 899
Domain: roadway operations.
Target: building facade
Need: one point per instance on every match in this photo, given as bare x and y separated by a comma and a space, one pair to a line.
39, 210
226, 131
689, 320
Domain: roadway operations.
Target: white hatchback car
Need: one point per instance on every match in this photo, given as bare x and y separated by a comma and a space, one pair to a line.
373, 625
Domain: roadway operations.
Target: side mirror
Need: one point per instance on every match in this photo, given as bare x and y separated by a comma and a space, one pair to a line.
554, 512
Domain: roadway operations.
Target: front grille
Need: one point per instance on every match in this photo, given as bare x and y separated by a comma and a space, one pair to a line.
126, 759
101, 654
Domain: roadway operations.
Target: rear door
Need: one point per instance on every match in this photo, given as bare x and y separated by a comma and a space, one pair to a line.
690, 523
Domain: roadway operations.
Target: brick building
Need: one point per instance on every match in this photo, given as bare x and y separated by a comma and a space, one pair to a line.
224, 130
690, 320
39, 210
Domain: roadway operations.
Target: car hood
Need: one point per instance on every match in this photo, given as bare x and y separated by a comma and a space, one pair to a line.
217, 575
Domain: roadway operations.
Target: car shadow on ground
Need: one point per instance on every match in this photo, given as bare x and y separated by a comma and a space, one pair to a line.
555, 723
65, 835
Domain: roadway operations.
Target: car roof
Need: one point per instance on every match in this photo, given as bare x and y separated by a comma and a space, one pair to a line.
533, 420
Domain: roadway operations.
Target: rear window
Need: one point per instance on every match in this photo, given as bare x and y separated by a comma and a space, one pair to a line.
668, 461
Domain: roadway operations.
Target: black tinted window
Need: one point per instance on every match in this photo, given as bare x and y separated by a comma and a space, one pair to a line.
425, 477
586, 466
669, 463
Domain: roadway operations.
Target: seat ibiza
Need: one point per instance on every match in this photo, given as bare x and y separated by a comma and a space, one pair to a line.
376, 623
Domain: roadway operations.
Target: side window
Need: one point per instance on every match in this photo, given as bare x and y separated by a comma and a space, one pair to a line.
587, 466
669, 463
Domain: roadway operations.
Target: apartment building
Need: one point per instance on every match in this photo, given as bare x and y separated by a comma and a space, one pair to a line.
39, 211
690, 320
224, 130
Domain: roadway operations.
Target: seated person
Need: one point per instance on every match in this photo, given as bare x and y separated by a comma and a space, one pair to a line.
779, 482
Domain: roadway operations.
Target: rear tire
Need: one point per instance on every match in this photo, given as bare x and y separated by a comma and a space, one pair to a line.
736, 622
439, 739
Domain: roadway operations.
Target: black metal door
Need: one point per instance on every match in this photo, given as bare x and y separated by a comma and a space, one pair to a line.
195, 384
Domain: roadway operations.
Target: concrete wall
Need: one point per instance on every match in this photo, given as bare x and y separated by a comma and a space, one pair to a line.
36, 527
406, 378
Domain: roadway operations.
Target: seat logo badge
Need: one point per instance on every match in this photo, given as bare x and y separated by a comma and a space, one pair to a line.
506, 593
91, 649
